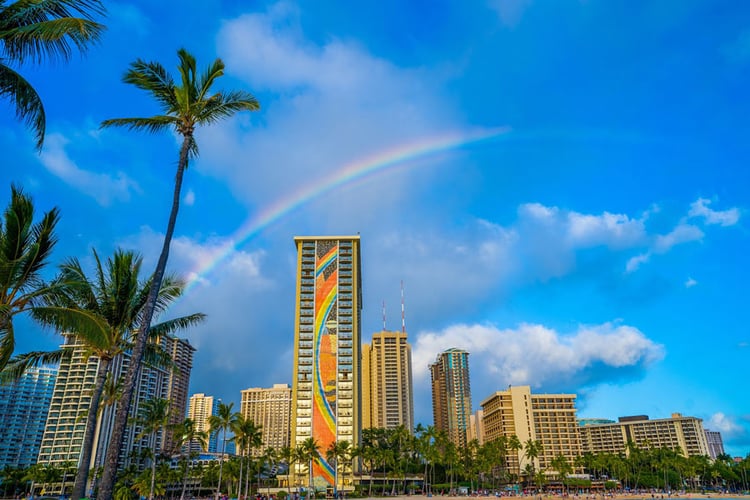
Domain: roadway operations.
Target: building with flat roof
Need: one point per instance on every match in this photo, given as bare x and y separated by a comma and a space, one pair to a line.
451, 394
715, 444
71, 396
271, 409
678, 433
547, 419
326, 387
201, 407
388, 398
476, 427
24, 405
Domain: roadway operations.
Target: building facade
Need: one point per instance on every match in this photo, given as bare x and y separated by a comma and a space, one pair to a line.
178, 382
24, 405
548, 420
451, 395
271, 409
326, 390
476, 427
678, 432
66, 425
715, 444
200, 408
388, 397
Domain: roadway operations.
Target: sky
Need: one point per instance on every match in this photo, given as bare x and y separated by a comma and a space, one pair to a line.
562, 187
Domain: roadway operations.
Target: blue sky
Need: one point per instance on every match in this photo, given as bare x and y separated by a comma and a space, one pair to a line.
598, 246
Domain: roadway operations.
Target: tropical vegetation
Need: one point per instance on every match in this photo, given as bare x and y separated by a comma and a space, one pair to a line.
185, 105
32, 31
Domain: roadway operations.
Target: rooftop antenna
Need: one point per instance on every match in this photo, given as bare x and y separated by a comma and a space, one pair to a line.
384, 315
403, 318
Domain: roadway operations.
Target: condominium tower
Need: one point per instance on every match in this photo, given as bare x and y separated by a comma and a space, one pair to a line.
387, 394
678, 432
201, 407
548, 420
326, 380
271, 409
65, 426
24, 405
715, 444
451, 394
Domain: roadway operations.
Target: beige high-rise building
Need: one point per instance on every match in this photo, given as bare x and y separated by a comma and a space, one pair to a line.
678, 432
200, 409
388, 398
326, 390
476, 427
272, 410
181, 353
546, 419
451, 394
65, 427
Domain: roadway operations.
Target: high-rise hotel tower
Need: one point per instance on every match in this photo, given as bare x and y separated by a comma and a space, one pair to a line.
451, 394
388, 398
326, 382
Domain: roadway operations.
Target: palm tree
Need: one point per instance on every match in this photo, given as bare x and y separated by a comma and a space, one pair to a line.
309, 450
338, 453
224, 419
154, 417
288, 456
101, 314
25, 248
185, 433
184, 106
34, 30
247, 436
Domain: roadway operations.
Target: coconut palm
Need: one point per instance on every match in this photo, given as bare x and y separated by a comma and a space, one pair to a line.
247, 437
224, 419
153, 418
309, 450
185, 433
185, 106
35, 30
102, 313
25, 247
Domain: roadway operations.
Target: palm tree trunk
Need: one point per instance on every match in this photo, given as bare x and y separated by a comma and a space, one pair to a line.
153, 477
82, 476
185, 478
106, 488
239, 481
221, 464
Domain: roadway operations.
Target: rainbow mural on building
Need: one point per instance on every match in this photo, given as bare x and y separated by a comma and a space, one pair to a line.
325, 368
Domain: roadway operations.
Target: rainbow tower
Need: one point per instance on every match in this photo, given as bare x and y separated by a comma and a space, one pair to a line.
326, 381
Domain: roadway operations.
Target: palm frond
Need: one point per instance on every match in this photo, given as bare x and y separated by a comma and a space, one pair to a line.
20, 364
86, 325
28, 105
170, 326
224, 105
51, 39
214, 71
153, 77
151, 124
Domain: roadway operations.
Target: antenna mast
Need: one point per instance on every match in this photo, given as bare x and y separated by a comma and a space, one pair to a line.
384, 315
403, 318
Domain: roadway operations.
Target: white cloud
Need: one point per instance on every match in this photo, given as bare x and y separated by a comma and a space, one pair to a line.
700, 209
682, 233
635, 262
725, 424
690, 283
189, 198
104, 188
540, 356
510, 12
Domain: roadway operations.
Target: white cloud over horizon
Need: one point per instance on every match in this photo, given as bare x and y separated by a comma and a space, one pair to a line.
535, 355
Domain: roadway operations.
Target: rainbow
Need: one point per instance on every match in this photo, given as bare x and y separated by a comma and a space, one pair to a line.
400, 156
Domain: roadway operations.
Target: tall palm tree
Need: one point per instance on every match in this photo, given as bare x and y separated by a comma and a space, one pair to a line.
34, 30
102, 314
247, 437
224, 419
288, 456
184, 107
338, 453
153, 418
309, 450
185, 433
25, 247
